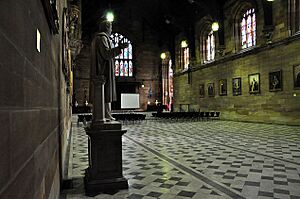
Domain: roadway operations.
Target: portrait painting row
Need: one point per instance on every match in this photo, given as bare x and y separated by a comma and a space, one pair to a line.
275, 84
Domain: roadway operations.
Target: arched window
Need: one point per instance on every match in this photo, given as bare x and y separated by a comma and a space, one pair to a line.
209, 47
248, 29
184, 55
167, 81
123, 62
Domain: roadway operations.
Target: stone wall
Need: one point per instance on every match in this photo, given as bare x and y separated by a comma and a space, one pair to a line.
276, 107
282, 107
34, 104
82, 74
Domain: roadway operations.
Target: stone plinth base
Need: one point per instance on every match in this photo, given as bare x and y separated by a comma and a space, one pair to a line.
105, 173
94, 187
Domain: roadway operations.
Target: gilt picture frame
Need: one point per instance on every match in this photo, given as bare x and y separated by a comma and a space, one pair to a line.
254, 83
237, 86
210, 90
296, 73
223, 87
275, 81
201, 91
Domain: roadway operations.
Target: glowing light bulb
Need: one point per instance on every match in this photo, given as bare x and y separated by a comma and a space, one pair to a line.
184, 44
110, 16
215, 26
163, 55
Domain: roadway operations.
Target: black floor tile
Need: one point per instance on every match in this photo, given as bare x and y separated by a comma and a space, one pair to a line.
186, 194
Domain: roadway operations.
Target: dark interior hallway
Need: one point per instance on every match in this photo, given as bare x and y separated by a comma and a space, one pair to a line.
184, 60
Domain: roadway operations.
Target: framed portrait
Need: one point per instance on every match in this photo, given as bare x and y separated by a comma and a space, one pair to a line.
65, 44
254, 83
50, 8
223, 87
210, 90
236, 86
201, 90
275, 81
297, 77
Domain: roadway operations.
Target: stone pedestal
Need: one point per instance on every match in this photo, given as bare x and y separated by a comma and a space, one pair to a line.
105, 173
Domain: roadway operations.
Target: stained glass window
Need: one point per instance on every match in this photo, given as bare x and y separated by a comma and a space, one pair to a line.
123, 62
294, 16
209, 47
248, 29
184, 55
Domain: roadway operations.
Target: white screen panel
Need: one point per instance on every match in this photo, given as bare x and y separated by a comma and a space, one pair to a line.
130, 100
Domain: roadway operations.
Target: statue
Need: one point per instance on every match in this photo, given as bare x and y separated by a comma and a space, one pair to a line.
103, 69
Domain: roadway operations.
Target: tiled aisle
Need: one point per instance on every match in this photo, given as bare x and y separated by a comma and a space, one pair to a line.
219, 159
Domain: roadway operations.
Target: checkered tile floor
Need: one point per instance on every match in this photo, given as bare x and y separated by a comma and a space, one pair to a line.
204, 159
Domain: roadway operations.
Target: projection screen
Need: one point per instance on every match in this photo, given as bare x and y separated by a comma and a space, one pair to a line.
130, 100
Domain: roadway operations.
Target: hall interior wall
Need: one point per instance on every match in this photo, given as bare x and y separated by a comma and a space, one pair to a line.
34, 104
281, 107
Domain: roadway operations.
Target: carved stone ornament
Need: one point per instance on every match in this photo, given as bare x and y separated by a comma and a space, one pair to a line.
75, 32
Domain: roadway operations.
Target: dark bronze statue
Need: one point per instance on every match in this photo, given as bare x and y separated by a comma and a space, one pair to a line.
102, 57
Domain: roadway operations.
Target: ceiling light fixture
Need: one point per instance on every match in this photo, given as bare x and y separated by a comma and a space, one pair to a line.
215, 26
184, 44
163, 56
110, 16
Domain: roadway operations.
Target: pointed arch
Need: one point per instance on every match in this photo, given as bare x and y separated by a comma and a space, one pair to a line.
167, 81
245, 27
206, 40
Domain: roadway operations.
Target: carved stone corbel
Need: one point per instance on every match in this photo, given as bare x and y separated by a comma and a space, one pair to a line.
75, 43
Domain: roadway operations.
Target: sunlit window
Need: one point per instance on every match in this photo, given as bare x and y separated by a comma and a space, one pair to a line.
123, 62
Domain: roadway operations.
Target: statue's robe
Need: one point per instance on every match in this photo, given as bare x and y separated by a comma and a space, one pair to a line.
102, 64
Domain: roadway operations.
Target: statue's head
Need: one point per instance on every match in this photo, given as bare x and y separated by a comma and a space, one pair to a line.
105, 26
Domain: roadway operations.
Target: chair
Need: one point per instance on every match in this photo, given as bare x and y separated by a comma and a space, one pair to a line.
206, 115
201, 115
217, 115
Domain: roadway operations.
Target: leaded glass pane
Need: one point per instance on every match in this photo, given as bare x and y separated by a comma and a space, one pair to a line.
123, 63
248, 29
130, 69
117, 68
254, 28
244, 39
212, 46
121, 68
126, 68
208, 47
184, 55
186, 58
130, 51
